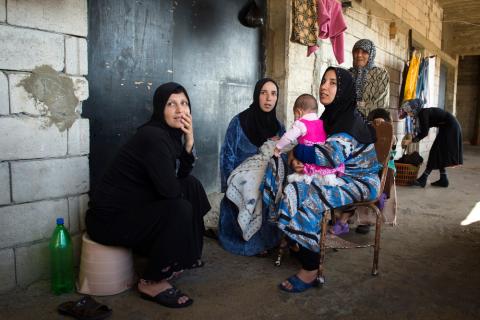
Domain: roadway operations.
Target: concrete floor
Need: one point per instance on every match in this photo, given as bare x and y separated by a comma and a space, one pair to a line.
429, 269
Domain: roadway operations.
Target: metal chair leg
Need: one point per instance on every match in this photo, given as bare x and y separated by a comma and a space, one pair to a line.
378, 230
281, 251
321, 276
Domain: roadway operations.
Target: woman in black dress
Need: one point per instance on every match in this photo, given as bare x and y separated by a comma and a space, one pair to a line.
447, 148
148, 201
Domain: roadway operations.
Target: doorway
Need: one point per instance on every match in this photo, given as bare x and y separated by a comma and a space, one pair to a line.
134, 46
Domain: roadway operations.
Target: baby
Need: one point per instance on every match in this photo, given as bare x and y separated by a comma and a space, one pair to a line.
308, 130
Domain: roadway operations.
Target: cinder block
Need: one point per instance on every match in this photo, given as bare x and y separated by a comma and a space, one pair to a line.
77, 208
43, 179
20, 100
32, 263
7, 270
25, 49
80, 88
3, 11
4, 183
29, 222
79, 137
68, 17
4, 100
398, 8
76, 56
28, 138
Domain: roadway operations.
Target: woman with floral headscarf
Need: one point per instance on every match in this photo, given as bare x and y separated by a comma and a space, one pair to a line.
372, 91
372, 83
447, 148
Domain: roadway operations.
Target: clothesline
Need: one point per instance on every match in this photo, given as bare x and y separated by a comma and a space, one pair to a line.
429, 20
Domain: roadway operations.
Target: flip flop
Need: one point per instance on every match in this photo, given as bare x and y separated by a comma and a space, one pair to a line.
169, 298
198, 264
85, 309
339, 228
298, 285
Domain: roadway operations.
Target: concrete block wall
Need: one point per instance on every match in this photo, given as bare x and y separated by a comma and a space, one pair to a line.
303, 74
468, 95
44, 172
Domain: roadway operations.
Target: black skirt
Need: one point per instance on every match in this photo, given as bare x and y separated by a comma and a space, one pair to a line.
447, 148
169, 232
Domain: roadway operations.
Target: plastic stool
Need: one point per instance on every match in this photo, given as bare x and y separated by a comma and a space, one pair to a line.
104, 270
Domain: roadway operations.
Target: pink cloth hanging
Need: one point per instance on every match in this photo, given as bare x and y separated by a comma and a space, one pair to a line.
331, 25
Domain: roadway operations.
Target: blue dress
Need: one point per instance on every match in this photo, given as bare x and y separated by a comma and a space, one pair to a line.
235, 149
302, 205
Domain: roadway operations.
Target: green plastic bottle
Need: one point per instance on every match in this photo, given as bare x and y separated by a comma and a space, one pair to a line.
61, 260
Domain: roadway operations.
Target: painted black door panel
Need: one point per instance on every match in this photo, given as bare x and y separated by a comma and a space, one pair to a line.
134, 46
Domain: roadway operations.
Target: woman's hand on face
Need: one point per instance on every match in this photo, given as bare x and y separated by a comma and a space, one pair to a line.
187, 129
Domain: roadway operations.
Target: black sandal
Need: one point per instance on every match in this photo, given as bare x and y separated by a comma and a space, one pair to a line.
85, 309
169, 298
198, 264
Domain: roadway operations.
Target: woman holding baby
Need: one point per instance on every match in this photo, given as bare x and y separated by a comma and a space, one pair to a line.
299, 206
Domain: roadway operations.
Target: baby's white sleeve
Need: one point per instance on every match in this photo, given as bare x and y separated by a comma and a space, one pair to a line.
298, 129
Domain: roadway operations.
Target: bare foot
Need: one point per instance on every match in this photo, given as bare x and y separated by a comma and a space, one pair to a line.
152, 288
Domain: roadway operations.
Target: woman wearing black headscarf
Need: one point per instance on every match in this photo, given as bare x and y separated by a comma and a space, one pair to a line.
247, 132
148, 201
350, 140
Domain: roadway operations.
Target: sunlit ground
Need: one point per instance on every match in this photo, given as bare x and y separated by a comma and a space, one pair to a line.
473, 216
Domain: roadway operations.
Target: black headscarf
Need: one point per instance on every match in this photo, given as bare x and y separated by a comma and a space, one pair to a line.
342, 115
160, 99
258, 125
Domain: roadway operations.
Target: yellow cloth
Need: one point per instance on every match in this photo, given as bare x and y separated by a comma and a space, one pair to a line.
304, 29
412, 76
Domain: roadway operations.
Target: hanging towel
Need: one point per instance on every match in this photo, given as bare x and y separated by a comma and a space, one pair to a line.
412, 76
430, 83
304, 28
331, 25
422, 81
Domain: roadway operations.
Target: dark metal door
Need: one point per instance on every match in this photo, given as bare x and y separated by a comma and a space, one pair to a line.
134, 46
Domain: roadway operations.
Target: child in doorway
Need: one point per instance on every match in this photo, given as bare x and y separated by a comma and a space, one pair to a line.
308, 129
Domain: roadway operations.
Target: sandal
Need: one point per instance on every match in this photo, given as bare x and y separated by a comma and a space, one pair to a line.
298, 285
198, 264
85, 309
175, 275
169, 298
339, 228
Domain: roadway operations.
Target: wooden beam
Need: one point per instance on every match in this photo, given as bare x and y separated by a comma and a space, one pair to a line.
476, 131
